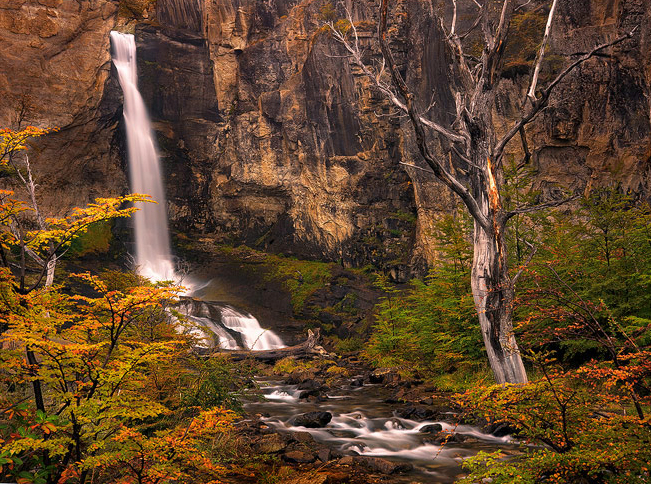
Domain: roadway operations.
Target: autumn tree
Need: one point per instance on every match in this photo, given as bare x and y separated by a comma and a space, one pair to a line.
472, 142
31, 235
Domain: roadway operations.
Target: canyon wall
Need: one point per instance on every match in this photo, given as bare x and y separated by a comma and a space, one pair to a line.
268, 136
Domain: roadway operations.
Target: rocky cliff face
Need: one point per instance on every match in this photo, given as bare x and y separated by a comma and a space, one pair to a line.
268, 136
55, 66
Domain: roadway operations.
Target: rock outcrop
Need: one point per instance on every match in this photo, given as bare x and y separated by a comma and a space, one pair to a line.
268, 136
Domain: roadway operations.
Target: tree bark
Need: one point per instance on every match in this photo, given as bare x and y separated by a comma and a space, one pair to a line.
492, 292
492, 287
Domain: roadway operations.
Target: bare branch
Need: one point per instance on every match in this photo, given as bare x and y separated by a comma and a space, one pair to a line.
523, 5
587, 56
437, 167
531, 94
503, 26
540, 103
474, 25
534, 249
454, 19
356, 57
535, 208
525, 147
416, 167
495, 45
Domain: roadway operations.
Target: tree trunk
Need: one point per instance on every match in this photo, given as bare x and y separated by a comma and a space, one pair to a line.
492, 292
492, 288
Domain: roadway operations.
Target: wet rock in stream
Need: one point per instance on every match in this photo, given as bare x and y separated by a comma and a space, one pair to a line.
384, 375
431, 429
417, 413
312, 420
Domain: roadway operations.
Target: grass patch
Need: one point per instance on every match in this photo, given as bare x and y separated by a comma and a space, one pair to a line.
290, 364
348, 345
301, 278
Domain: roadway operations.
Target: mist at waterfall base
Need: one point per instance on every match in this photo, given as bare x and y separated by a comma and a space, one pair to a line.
153, 257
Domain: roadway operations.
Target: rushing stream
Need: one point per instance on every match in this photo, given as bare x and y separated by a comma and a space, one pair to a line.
364, 424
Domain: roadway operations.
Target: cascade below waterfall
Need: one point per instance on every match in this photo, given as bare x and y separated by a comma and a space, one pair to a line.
153, 254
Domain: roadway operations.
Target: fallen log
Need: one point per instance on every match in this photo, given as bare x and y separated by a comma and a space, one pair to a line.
307, 349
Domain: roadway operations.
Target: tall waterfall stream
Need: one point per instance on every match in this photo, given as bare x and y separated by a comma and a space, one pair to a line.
153, 254
362, 423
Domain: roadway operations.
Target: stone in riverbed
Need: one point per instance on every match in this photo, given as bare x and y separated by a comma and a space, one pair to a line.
416, 413
324, 454
270, 443
383, 466
431, 429
357, 382
312, 420
311, 385
304, 437
383, 375
299, 457
500, 429
347, 460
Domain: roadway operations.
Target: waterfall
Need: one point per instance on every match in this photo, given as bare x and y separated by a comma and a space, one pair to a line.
153, 254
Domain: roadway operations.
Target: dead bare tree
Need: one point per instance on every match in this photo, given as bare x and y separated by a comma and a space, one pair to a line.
473, 142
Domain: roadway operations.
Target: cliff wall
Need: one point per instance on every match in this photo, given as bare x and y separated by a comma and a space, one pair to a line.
268, 136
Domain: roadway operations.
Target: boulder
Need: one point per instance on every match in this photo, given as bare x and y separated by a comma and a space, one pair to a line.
312, 420
357, 382
416, 413
383, 466
383, 375
431, 429
299, 457
303, 437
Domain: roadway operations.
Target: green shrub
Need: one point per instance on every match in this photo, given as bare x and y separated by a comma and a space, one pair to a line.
95, 240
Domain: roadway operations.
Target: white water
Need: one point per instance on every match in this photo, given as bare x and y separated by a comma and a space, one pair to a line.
253, 335
153, 254
362, 424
